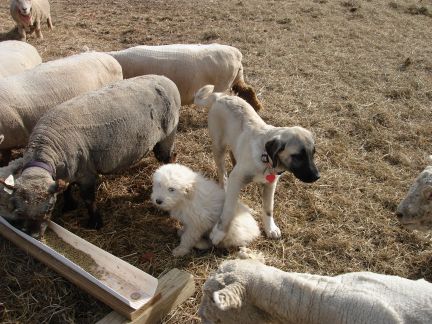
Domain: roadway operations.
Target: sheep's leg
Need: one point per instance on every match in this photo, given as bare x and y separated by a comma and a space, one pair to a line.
69, 203
88, 193
22, 33
5, 157
164, 150
38, 29
270, 227
188, 240
245, 91
236, 182
49, 23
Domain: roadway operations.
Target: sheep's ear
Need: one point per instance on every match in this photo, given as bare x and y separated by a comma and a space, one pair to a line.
59, 186
427, 192
272, 148
232, 296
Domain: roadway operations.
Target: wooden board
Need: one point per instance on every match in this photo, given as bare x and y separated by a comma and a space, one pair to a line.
115, 288
174, 288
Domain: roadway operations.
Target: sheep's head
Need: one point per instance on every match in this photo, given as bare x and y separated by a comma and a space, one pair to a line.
24, 7
225, 297
33, 199
416, 207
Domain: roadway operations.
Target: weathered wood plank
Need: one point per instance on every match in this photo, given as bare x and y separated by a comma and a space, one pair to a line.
173, 288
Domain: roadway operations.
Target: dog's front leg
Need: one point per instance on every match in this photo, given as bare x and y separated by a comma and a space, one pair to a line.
271, 229
236, 182
188, 240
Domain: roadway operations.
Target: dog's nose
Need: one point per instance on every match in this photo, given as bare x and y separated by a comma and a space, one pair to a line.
158, 201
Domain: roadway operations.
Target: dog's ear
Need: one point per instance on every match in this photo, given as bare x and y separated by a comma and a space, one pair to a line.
189, 189
272, 148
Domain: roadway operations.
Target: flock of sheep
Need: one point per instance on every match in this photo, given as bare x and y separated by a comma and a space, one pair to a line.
98, 113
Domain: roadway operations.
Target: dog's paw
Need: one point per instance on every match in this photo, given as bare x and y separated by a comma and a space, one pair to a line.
180, 251
217, 235
273, 231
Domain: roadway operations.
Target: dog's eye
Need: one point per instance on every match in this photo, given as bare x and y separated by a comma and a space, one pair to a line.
171, 189
296, 156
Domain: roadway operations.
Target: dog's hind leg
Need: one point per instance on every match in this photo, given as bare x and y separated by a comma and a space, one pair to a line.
236, 182
270, 227
219, 156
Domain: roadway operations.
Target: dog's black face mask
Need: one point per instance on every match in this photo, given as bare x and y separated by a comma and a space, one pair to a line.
303, 166
300, 163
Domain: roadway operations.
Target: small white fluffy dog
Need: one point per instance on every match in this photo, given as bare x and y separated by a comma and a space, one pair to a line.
197, 203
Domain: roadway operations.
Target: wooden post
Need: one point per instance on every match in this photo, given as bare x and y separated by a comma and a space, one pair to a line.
173, 288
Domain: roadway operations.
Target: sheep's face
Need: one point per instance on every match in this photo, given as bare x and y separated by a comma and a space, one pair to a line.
24, 7
416, 207
33, 200
172, 184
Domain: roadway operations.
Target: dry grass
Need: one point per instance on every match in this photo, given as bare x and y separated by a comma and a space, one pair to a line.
357, 73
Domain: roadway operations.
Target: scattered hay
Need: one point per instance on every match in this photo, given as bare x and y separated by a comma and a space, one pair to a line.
338, 76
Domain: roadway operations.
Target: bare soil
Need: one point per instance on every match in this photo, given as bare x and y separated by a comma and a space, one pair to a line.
358, 74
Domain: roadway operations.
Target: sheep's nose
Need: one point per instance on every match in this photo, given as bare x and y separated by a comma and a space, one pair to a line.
399, 214
158, 201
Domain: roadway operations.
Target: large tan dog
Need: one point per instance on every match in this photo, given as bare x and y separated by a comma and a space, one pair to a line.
262, 152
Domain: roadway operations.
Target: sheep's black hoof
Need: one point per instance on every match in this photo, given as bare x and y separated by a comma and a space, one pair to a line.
95, 221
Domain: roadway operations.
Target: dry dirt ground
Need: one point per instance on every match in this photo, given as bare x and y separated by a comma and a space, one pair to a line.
358, 74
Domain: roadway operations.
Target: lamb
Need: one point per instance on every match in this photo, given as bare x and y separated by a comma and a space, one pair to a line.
28, 15
25, 97
99, 132
16, 56
416, 207
190, 66
247, 291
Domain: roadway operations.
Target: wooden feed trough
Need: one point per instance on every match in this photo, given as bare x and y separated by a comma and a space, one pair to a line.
133, 294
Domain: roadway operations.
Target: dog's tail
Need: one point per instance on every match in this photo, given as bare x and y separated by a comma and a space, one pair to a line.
205, 96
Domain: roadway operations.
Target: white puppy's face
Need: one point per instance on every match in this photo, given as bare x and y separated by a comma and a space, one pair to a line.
172, 184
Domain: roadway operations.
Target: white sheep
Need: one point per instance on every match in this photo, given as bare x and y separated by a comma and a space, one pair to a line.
247, 291
16, 56
25, 97
190, 66
28, 15
416, 207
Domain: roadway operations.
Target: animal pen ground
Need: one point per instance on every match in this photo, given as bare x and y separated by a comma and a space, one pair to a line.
358, 74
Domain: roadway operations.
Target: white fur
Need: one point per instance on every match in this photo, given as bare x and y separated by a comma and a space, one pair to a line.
233, 124
197, 203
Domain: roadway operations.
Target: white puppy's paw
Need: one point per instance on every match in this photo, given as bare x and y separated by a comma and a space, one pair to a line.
217, 235
180, 251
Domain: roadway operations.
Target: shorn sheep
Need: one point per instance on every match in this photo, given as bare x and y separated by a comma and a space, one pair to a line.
25, 97
16, 56
190, 66
28, 15
99, 132
416, 207
247, 291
